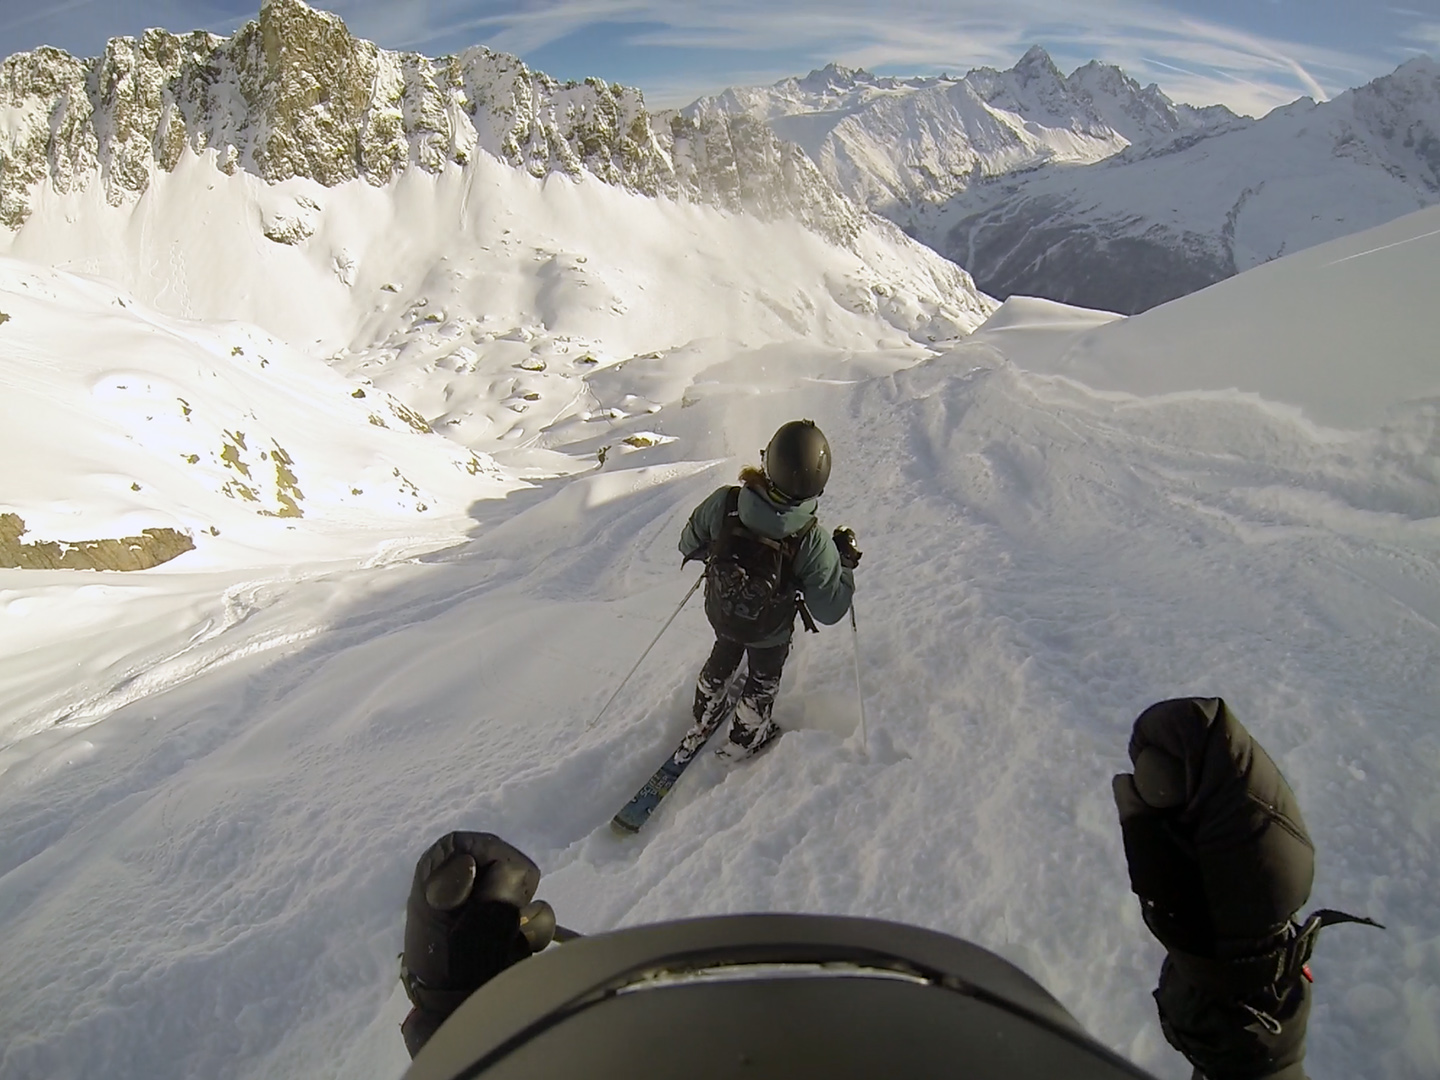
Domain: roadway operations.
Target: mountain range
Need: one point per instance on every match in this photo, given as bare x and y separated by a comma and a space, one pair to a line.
1087, 188
1096, 191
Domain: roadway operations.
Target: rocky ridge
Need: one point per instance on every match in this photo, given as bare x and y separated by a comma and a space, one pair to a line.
295, 94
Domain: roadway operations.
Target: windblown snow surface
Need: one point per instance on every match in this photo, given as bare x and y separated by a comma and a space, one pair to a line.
217, 779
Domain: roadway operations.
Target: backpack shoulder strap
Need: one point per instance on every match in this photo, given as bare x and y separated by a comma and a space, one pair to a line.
733, 526
732, 504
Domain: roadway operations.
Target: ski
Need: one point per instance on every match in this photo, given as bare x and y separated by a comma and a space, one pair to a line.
642, 804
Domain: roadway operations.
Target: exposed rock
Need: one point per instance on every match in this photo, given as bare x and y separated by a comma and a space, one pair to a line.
288, 229
151, 548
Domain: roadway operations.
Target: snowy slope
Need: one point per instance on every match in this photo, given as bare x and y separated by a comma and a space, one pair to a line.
467, 234
470, 236
118, 418
464, 291
211, 815
1322, 330
115, 419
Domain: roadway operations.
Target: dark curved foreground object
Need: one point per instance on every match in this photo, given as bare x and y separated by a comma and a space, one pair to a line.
766, 996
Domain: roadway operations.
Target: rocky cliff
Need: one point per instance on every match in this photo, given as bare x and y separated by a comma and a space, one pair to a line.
295, 94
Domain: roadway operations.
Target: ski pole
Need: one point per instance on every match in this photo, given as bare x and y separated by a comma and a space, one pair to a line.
645, 653
859, 692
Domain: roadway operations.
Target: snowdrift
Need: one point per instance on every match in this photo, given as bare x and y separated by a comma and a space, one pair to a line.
1344, 331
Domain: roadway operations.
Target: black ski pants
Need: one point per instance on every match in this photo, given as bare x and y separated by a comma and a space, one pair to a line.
761, 682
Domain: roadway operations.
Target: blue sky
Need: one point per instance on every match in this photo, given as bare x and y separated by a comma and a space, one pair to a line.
1249, 54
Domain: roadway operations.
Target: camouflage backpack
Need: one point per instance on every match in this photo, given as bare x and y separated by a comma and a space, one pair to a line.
750, 589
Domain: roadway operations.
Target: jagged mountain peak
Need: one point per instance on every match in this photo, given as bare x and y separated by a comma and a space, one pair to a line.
293, 34
1221, 195
1418, 75
1037, 61
1423, 65
294, 94
1110, 77
834, 76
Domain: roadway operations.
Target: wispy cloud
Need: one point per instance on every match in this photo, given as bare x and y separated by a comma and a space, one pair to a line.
514, 26
40, 14
1425, 35
1200, 60
1196, 59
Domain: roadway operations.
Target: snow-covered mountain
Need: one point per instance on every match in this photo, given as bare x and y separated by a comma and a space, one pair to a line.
1091, 190
1160, 220
901, 145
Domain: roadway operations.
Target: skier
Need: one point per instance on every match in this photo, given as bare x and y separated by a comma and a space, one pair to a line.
765, 561
1218, 855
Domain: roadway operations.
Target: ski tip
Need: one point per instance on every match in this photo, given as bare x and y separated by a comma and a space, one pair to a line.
623, 828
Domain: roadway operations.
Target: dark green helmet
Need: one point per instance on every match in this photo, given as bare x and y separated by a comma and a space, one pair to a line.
797, 461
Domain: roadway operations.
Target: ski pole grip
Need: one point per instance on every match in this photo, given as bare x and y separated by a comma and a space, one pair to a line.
537, 924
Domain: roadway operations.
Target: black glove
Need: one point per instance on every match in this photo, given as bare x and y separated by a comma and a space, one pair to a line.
469, 917
701, 553
845, 543
1220, 859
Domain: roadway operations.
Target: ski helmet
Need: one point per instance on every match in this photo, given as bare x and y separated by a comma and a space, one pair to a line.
797, 461
766, 997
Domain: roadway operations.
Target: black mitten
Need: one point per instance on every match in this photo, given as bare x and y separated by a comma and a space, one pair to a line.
469, 917
1221, 861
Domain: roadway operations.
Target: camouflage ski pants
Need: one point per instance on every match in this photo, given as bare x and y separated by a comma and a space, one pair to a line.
761, 682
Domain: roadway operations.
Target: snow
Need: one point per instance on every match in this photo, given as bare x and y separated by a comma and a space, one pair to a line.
463, 292
1323, 330
217, 774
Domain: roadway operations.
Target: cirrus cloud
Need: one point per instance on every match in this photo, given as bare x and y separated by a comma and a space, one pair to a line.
1199, 60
